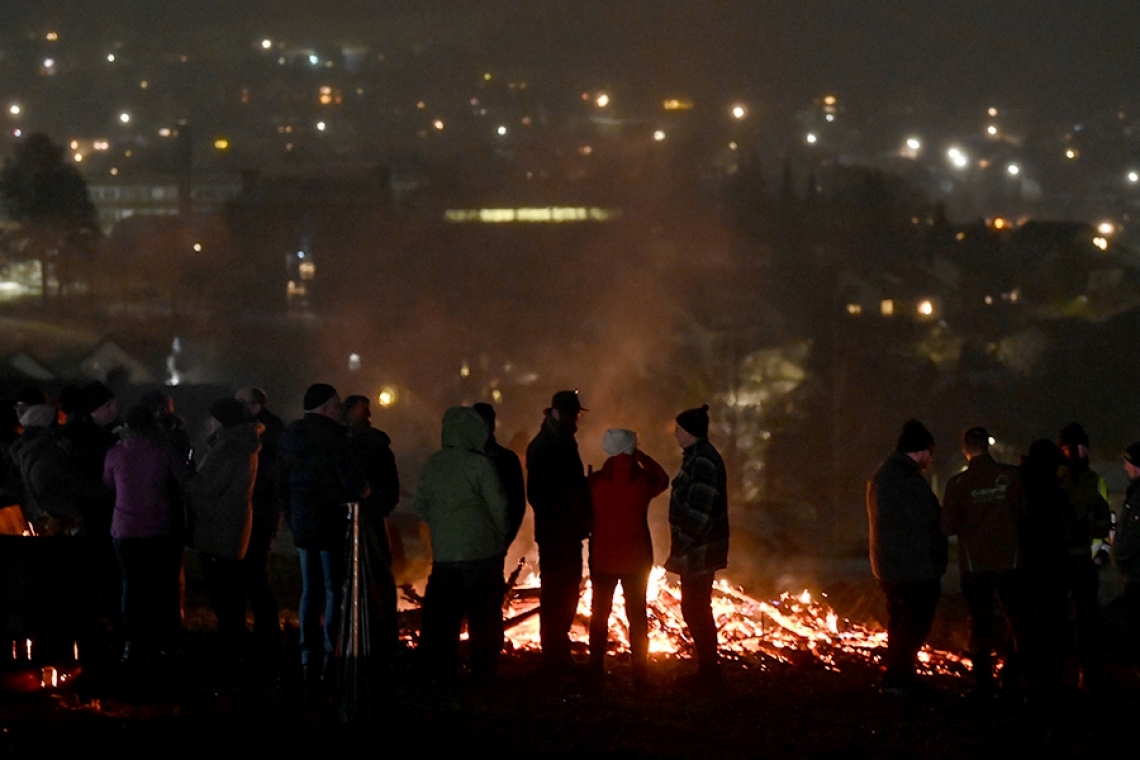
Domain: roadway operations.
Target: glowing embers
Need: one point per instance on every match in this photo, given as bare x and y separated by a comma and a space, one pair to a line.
531, 214
790, 628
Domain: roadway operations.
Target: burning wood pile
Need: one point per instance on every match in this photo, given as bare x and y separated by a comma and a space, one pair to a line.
793, 628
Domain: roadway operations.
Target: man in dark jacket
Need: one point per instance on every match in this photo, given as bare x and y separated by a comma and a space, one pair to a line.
318, 476
1126, 548
698, 527
373, 451
984, 506
908, 550
560, 496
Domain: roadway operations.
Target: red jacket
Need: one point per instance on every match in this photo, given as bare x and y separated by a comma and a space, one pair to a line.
621, 493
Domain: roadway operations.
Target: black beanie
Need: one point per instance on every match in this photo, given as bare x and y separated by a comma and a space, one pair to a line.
914, 437
317, 395
695, 421
1073, 435
228, 411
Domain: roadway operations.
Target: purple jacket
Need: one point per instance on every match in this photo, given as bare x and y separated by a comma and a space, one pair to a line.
139, 469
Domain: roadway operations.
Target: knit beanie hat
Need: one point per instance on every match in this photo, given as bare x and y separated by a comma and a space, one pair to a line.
619, 441
40, 415
914, 437
1073, 435
317, 395
695, 421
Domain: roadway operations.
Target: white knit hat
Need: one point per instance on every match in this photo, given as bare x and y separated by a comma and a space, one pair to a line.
619, 441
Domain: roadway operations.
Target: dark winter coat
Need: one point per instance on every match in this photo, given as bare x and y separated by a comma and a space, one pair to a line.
510, 471
318, 475
139, 469
52, 481
698, 512
556, 485
983, 506
1126, 547
907, 542
219, 497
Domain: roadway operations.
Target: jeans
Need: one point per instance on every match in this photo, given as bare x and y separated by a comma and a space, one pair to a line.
633, 590
322, 573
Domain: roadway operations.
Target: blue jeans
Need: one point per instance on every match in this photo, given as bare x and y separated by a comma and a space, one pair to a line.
321, 577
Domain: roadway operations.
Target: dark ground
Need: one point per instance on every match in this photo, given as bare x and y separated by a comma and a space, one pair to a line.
197, 701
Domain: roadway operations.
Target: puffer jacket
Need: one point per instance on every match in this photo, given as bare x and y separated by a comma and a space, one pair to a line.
459, 494
621, 492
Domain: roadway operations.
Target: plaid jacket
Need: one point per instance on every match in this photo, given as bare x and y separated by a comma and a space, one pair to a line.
698, 513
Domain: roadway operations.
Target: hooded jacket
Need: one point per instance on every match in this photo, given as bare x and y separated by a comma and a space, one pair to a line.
219, 498
556, 485
53, 483
459, 494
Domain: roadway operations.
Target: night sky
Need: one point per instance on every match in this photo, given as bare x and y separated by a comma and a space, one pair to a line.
1047, 58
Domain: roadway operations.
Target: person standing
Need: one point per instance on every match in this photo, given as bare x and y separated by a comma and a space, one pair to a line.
266, 523
373, 451
462, 501
908, 551
698, 527
984, 506
318, 476
620, 545
510, 471
1087, 534
219, 513
559, 494
1126, 549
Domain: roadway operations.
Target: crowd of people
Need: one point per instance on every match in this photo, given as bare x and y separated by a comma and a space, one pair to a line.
1030, 538
130, 494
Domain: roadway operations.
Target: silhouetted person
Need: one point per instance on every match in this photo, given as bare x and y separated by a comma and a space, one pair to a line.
1088, 550
266, 523
908, 551
1126, 549
698, 529
560, 497
984, 506
373, 451
510, 471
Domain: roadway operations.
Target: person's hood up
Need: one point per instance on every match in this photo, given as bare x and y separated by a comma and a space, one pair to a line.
464, 428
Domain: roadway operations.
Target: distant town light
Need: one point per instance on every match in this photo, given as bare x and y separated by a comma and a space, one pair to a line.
314, 60
74, 145
732, 145
992, 111
658, 135
811, 138
925, 308
1106, 228
438, 124
110, 57
125, 118
739, 112
676, 104
913, 143
164, 132
197, 247
496, 395
386, 396
1101, 243
78, 157
353, 362
1070, 154
266, 43
829, 117
321, 126
501, 130
602, 100
51, 36
991, 130
1133, 177
887, 307
465, 370
221, 144
829, 100
49, 63
854, 309
14, 109
1013, 170
487, 77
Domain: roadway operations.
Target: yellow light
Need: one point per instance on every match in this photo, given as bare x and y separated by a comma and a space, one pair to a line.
811, 138
739, 112
386, 396
999, 223
438, 124
676, 104
925, 308
221, 143
1013, 170
659, 135
1100, 243
125, 117
75, 145
1070, 154
110, 57
197, 247
992, 111
602, 100
497, 396
51, 36
164, 132
321, 126
1106, 228
487, 77
266, 43
78, 157
14, 109
465, 370
829, 100
854, 308
501, 131
307, 270
886, 307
